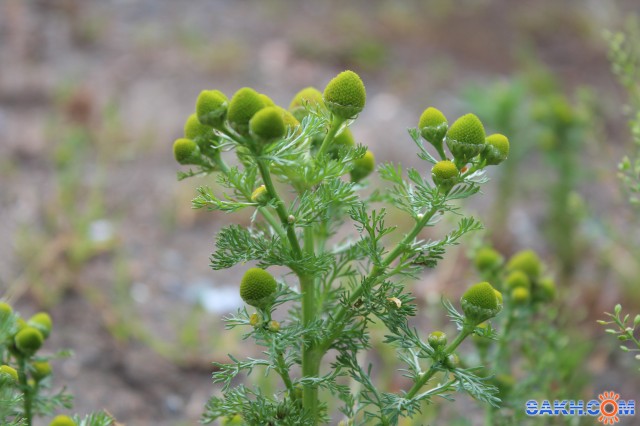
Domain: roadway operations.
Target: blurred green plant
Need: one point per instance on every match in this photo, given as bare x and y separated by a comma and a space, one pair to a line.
345, 281
534, 355
625, 330
624, 55
25, 374
534, 111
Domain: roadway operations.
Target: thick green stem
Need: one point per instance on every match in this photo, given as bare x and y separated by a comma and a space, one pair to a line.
310, 355
375, 274
433, 369
27, 392
331, 134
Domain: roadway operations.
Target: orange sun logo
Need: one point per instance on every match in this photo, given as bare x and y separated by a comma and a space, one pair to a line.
609, 407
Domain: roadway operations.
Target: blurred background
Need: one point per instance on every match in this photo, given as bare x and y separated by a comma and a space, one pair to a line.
96, 229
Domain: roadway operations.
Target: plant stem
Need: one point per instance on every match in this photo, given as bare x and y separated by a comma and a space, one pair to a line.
26, 391
310, 355
336, 122
433, 369
375, 274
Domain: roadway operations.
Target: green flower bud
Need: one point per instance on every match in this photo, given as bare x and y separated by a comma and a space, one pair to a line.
526, 261
274, 326
516, 279
40, 370
244, 104
185, 151
267, 101
437, 339
487, 259
268, 124
260, 195
345, 95
452, 360
254, 319
496, 149
520, 295
62, 421
9, 371
257, 288
290, 122
444, 174
545, 291
235, 420
362, 167
344, 139
29, 340
309, 96
5, 310
41, 321
433, 126
466, 138
480, 303
211, 107
197, 131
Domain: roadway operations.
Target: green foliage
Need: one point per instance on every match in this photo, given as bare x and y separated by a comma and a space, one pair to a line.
344, 281
529, 356
25, 375
624, 55
624, 329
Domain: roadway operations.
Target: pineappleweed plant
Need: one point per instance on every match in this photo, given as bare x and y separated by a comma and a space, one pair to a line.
301, 172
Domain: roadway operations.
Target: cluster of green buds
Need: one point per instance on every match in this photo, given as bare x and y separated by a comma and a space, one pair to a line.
467, 143
254, 121
21, 367
522, 279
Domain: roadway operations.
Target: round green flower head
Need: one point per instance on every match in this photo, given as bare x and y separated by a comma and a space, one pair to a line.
260, 195
345, 95
243, 106
344, 139
268, 124
257, 287
545, 291
41, 321
40, 370
211, 107
62, 421
5, 310
266, 100
517, 279
433, 125
526, 261
480, 303
487, 259
496, 149
444, 174
362, 167
290, 121
29, 340
466, 137
195, 130
185, 151
520, 295
9, 371
309, 96
437, 339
